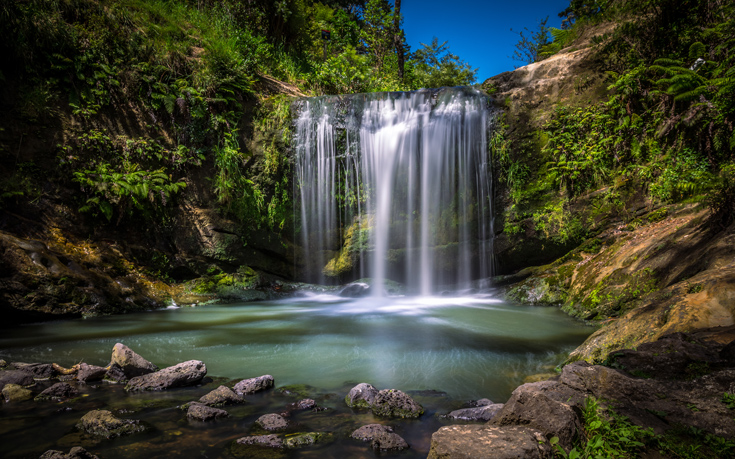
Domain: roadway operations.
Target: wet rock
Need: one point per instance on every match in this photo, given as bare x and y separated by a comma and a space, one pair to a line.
361, 396
471, 441
102, 423
39, 370
184, 374
89, 373
131, 363
395, 403
355, 290
306, 439
301, 405
478, 413
3, 363
75, 453
269, 441
380, 437
202, 412
115, 374
19, 377
58, 391
253, 385
483, 402
16, 393
272, 422
221, 396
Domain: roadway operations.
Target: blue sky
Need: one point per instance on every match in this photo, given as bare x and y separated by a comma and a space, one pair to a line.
477, 31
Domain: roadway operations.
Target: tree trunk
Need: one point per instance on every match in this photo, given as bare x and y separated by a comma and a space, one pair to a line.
398, 39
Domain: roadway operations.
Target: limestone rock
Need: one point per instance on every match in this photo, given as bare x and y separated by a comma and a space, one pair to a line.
102, 423
361, 396
183, 374
16, 393
89, 373
380, 437
253, 385
306, 439
131, 363
221, 396
270, 441
395, 403
478, 413
473, 441
75, 453
272, 422
202, 412
58, 391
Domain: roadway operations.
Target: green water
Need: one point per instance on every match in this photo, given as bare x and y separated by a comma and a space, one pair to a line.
464, 348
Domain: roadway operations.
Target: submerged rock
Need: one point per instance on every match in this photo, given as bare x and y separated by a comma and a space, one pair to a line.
102, 423
355, 290
253, 385
202, 412
380, 437
361, 396
272, 422
221, 396
269, 441
75, 453
301, 440
184, 374
89, 373
468, 441
131, 363
16, 393
478, 413
58, 391
395, 403
301, 405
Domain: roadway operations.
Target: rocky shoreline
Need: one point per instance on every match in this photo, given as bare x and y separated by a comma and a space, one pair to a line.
682, 382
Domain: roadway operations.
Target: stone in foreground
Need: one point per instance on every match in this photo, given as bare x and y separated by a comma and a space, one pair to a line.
272, 422
184, 374
253, 385
471, 442
75, 453
202, 412
58, 391
302, 440
89, 373
381, 437
479, 413
221, 396
397, 404
361, 396
269, 441
131, 363
39, 370
16, 393
19, 377
103, 423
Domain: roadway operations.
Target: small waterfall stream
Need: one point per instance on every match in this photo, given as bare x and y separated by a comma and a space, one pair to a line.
396, 186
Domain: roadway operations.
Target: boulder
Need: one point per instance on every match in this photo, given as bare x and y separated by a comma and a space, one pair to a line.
75, 453
302, 440
253, 385
221, 396
483, 402
272, 422
3, 363
270, 441
355, 290
58, 391
115, 374
39, 370
202, 412
380, 437
361, 396
16, 393
19, 377
131, 363
89, 373
102, 423
479, 413
395, 403
475, 441
184, 374
301, 405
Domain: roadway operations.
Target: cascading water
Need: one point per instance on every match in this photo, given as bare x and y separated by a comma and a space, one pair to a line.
396, 186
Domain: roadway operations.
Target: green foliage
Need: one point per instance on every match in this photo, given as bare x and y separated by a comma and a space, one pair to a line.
532, 44
729, 400
436, 66
693, 443
721, 199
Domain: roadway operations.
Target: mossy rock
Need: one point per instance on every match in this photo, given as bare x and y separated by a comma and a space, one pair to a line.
301, 440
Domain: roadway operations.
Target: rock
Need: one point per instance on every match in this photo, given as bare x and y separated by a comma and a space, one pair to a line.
727, 353
184, 374
479, 413
394, 403
380, 437
39, 370
474, 441
361, 396
19, 377
272, 422
270, 441
102, 423
3, 363
483, 402
16, 393
89, 373
202, 412
75, 453
355, 290
253, 385
301, 405
58, 391
306, 439
115, 373
221, 396
131, 363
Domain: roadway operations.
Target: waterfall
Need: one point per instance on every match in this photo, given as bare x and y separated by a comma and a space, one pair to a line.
395, 186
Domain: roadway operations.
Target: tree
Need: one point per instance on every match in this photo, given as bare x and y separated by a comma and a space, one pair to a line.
528, 48
398, 39
377, 31
435, 67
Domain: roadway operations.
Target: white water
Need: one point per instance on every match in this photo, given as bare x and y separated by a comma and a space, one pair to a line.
413, 168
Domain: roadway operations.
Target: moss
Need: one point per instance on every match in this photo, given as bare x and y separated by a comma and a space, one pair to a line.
300, 440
